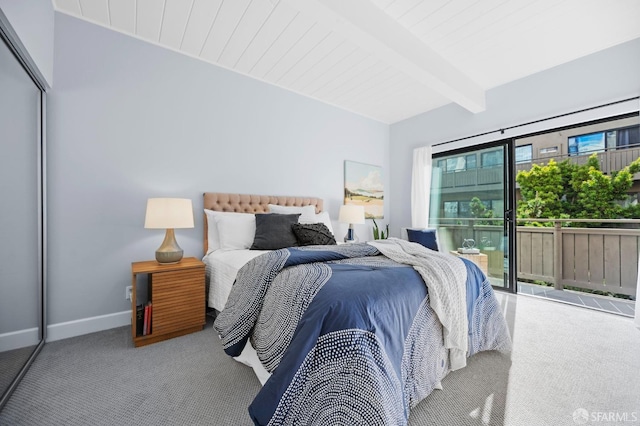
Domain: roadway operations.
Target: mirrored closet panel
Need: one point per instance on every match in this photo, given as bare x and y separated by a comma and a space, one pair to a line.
21, 218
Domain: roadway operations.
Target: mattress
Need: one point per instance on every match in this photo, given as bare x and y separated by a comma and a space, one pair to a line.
222, 266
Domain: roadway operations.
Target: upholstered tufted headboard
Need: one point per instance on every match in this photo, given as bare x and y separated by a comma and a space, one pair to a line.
248, 203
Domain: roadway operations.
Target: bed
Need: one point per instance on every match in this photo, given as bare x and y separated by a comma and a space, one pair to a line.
343, 334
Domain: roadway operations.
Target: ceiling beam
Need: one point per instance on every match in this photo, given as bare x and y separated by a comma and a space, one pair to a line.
365, 24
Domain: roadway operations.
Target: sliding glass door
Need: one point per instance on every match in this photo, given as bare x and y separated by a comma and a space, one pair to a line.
471, 205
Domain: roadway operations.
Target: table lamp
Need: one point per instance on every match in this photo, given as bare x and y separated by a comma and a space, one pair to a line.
351, 214
169, 214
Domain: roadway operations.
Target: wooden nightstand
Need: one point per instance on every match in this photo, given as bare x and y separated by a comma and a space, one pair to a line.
479, 259
176, 293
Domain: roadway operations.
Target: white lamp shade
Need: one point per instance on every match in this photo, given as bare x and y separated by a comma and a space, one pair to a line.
169, 213
350, 213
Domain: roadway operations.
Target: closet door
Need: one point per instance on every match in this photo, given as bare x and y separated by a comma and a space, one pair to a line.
21, 221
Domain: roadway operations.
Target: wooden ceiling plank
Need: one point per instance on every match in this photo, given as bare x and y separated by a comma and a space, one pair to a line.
123, 15
96, 10
149, 18
419, 13
273, 28
329, 62
252, 22
443, 14
361, 67
350, 62
401, 7
70, 7
383, 4
201, 20
366, 84
227, 21
296, 29
310, 60
303, 47
357, 81
459, 22
174, 22
389, 93
508, 27
478, 28
555, 40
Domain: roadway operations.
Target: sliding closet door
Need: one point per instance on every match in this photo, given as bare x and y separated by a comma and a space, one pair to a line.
21, 254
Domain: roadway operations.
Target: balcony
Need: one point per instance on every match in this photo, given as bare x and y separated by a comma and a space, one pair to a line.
465, 179
600, 260
610, 160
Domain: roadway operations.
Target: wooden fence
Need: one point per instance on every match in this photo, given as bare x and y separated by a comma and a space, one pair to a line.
604, 259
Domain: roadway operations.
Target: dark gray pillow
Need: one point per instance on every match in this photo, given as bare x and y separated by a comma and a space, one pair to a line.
273, 231
313, 234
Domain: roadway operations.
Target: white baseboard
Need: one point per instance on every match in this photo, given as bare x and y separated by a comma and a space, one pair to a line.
79, 327
19, 339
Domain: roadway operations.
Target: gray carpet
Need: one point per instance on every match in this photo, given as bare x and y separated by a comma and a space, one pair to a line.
11, 362
565, 358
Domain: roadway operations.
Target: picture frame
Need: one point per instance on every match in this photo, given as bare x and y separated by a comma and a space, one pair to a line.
364, 186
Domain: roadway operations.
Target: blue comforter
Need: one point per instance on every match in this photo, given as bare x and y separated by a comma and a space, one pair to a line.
347, 334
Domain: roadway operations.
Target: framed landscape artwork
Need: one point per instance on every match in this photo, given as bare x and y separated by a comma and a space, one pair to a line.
363, 186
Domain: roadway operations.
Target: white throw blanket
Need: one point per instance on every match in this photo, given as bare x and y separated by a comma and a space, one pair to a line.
446, 280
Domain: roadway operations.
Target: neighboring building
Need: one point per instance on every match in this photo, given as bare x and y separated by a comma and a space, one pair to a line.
480, 174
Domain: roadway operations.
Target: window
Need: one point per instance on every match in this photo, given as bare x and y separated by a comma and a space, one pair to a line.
610, 139
464, 209
590, 143
471, 161
455, 164
524, 154
458, 164
491, 159
549, 150
498, 208
626, 137
450, 209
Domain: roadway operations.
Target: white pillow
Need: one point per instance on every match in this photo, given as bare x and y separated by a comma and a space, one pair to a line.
236, 231
322, 217
307, 213
213, 243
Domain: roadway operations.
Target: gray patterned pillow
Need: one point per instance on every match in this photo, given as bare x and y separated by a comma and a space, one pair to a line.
312, 234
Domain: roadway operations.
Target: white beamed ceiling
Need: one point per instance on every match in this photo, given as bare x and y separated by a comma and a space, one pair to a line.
384, 59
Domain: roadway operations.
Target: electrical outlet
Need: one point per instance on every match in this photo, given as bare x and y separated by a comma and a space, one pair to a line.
127, 293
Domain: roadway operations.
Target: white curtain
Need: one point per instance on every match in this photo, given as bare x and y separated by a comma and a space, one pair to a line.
420, 187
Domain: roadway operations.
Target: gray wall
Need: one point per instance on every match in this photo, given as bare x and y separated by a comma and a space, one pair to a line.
603, 77
32, 20
129, 120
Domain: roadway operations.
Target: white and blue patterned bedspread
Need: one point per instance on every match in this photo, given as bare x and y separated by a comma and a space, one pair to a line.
347, 334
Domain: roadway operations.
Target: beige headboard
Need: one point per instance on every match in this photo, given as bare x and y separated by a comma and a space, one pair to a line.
248, 203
